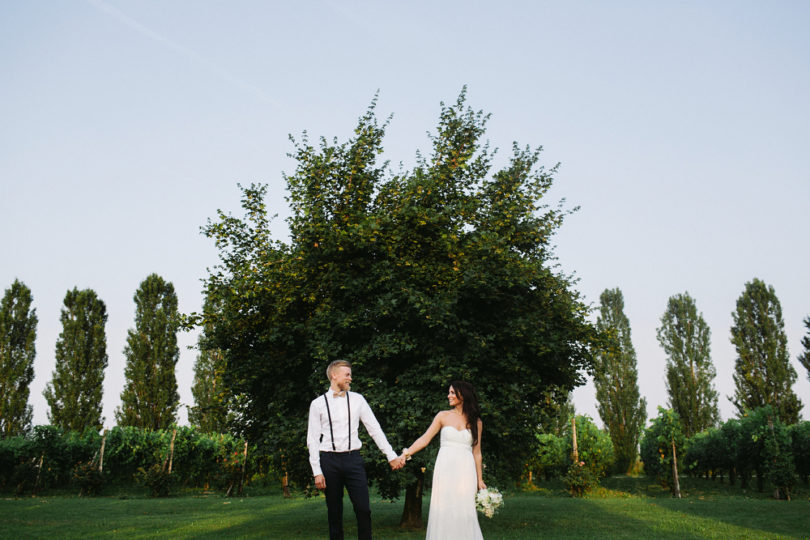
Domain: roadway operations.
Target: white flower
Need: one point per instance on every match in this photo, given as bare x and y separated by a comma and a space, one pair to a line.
488, 501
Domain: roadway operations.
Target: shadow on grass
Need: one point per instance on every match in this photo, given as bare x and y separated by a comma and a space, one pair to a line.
623, 509
720, 502
565, 517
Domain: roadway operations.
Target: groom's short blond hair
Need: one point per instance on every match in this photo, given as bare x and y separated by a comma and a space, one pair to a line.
336, 364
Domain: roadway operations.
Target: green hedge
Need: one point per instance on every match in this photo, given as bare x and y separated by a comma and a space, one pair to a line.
48, 458
757, 445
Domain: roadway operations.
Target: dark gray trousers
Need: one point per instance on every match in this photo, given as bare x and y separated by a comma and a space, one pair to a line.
346, 469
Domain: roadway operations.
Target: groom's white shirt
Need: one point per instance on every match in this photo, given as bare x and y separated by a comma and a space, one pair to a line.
319, 425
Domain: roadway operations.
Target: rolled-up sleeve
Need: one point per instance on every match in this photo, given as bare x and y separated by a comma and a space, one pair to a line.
314, 437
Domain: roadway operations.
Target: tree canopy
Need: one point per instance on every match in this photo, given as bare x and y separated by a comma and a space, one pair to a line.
210, 410
74, 394
686, 339
18, 332
619, 401
804, 358
762, 371
150, 399
444, 271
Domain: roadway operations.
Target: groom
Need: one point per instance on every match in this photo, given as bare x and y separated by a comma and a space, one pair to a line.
334, 449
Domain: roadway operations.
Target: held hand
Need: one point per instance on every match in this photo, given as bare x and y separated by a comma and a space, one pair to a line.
481, 485
396, 463
320, 482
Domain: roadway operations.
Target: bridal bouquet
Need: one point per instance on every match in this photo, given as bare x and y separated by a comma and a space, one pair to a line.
487, 501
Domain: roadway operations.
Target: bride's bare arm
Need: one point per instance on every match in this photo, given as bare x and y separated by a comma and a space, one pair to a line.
479, 468
425, 439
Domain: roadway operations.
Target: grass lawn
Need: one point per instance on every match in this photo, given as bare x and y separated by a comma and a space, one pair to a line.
624, 508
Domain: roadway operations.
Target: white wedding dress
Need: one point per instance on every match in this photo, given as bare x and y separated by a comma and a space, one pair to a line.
455, 483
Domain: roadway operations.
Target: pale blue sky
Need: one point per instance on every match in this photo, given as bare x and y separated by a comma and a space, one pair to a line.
683, 131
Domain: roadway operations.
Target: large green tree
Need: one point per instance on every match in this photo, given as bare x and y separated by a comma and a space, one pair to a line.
74, 394
417, 277
18, 332
804, 358
762, 371
686, 339
619, 403
150, 399
210, 410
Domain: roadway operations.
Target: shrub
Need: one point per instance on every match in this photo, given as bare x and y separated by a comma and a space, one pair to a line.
129, 449
730, 437
157, 480
88, 478
656, 446
14, 451
800, 446
704, 453
580, 479
773, 441
232, 466
593, 446
551, 456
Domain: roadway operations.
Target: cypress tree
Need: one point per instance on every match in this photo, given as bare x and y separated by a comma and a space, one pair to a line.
74, 394
804, 358
18, 332
210, 410
616, 379
150, 399
686, 339
762, 372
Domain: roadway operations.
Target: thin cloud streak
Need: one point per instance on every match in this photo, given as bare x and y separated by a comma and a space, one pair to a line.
220, 72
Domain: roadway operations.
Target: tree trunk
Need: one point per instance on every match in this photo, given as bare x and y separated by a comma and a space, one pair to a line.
676, 485
412, 512
760, 481
574, 438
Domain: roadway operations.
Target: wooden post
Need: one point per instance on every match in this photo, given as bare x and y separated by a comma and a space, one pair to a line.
171, 450
676, 484
101, 454
285, 485
39, 469
574, 438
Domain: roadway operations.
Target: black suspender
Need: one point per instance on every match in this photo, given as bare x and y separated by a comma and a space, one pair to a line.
329, 414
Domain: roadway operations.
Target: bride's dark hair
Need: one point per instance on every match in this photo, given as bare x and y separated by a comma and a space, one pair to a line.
469, 406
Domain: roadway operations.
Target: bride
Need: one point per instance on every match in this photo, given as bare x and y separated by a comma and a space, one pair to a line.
457, 473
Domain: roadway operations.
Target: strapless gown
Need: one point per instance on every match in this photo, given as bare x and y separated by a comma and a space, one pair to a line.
455, 483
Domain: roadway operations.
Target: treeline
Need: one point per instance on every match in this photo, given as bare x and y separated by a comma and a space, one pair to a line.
763, 375
149, 399
49, 458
